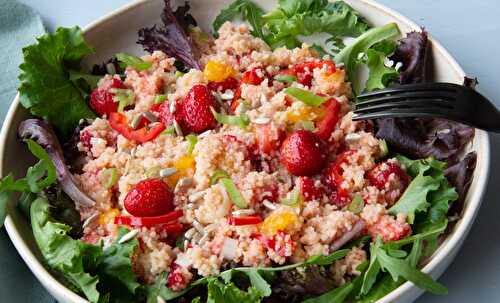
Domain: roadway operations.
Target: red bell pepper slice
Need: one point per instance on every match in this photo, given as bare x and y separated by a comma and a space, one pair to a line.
244, 220
149, 221
327, 125
118, 122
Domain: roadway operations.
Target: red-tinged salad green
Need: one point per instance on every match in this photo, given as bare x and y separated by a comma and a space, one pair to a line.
64, 99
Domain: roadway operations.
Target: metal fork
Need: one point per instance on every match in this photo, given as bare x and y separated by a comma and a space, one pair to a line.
443, 100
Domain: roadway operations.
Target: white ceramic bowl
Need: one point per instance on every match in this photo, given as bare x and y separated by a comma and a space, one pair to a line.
118, 32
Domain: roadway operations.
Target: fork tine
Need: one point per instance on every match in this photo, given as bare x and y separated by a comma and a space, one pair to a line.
405, 112
445, 95
450, 87
418, 103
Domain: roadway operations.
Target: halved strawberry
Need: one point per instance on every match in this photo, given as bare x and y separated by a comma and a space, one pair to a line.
148, 198
302, 153
194, 112
101, 99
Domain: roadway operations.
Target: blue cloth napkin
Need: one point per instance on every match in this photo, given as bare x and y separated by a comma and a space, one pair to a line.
19, 25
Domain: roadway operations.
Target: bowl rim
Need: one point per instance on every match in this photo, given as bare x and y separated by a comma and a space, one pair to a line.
453, 241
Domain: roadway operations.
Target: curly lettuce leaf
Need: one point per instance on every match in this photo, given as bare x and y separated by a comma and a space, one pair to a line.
380, 75
101, 275
61, 252
414, 199
293, 18
400, 265
46, 88
349, 55
219, 292
401, 268
293, 7
429, 188
115, 268
245, 9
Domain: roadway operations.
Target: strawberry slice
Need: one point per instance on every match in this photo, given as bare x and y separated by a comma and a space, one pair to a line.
149, 198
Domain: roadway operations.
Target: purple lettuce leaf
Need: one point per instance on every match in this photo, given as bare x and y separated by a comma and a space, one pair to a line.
72, 155
412, 52
184, 18
171, 37
102, 69
295, 285
421, 138
460, 176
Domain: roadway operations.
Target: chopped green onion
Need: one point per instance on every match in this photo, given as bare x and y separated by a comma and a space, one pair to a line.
357, 204
192, 139
233, 192
218, 174
241, 121
160, 99
285, 78
123, 96
305, 96
108, 177
169, 130
178, 74
384, 149
293, 199
308, 125
152, 172
133, 61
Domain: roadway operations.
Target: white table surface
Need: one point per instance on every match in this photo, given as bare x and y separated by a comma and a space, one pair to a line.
470, 30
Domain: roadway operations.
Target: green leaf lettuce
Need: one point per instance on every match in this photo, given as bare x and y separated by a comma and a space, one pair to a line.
46, 88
